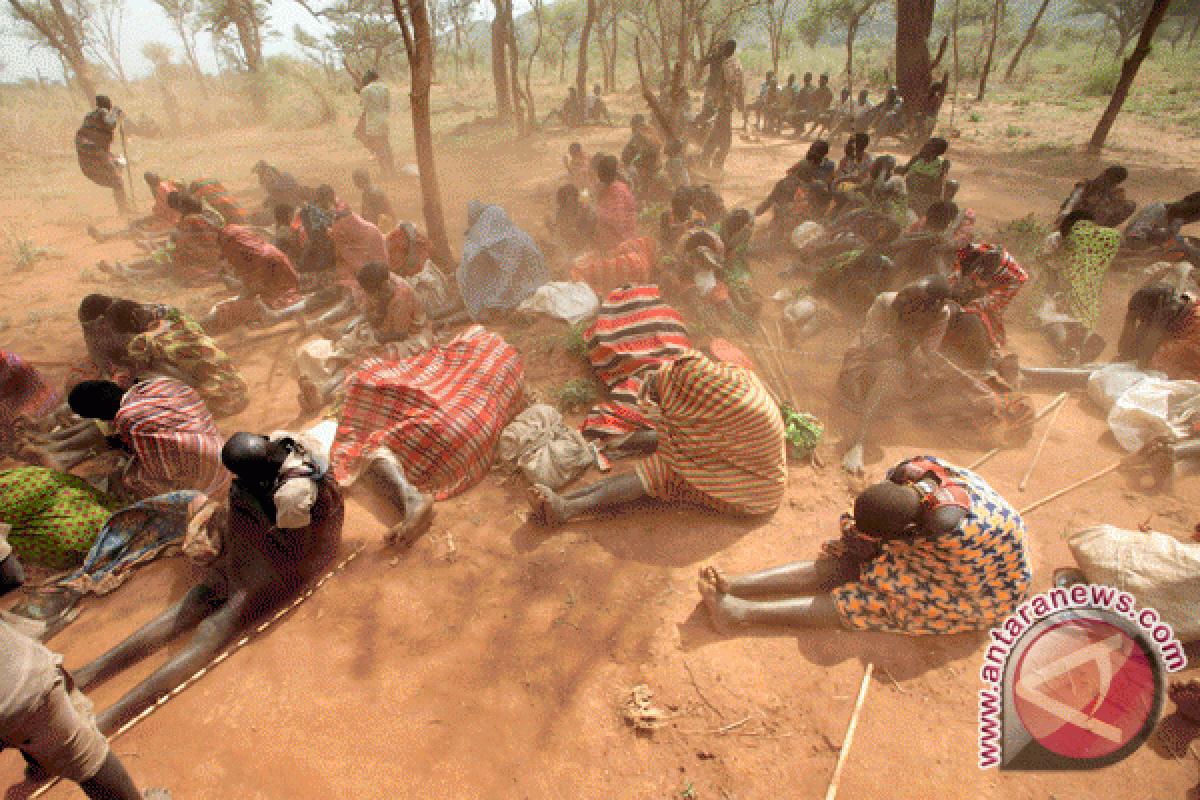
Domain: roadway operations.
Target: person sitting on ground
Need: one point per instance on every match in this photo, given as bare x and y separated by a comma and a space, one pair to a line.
853, 278
1162, 332
616, 208
928, 250
676, 166
93, 149
1068, 291
572, 109
797, 196
985, 280
262, 272
165, 431
701, 401
26, 397
49, 518
284, 235
932, 550
680, 217
501, 264
281, 187
697, 276
595, 108
41, 718
852, 184
736, 230
575, 162
650, 186
193, 257
376, 208
167, 342
1158, 227
162, 216
355, 242
283, 527
313, 230
925, 175
574, 223
213, 193
642, 138
392, 324
896, 361
1103, 197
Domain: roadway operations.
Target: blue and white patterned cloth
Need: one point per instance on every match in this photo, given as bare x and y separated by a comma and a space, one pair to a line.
501, 264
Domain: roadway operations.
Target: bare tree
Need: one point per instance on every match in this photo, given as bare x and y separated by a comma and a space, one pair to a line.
458, 12
777, 17
413, 19
581, 67
187, 24
107, 32
237, 28
1030, 32
363, 33
62, 28
997, 12
530, 105
1129, 71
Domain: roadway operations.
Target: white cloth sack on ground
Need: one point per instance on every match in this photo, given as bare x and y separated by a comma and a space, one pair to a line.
572, 301
806, 233
544, 448
1162, 572
1143, 405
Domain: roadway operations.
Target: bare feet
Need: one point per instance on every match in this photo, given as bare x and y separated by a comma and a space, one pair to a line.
547, 506
418, 516
724, 611
716, 578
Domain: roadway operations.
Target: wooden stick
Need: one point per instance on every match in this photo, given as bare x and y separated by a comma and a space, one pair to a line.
778, 360
1038, 452
845, 751
1082, 481
1049, 407
238, 645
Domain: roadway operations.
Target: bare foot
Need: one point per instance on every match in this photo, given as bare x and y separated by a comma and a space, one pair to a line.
723, 610
548, 508
1186, 697
716, 578
852, 462
418, 516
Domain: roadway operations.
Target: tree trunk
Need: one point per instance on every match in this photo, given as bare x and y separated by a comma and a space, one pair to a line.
851, 32
914, 73
420, 62
581, 67
991, 53
1029, 34
504, 108
610, 77
1129, 71
1195, 32
514, 62
957, 64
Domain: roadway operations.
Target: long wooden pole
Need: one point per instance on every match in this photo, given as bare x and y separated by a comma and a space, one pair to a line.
1081, 482
1038, 452
1049, 407
845, 751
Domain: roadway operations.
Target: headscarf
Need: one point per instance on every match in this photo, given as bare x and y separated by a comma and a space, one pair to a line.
501, 264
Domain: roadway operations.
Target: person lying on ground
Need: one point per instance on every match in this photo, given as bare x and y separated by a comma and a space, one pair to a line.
1067, 293
282, 528
165, 341
42, 716
391, 324
26, 399
212, 193
262, 272
192, 257
852, 280
1158, 227
53, 517
896, 363
701, 401
616, 208
1102, 196
376, 208
984, 280
162, 428
93, 149
925, 174
932, 550
281, 187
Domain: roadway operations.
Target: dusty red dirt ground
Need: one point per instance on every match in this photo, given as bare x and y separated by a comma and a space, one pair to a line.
502, 673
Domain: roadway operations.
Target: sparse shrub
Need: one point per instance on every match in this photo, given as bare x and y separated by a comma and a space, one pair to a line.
1016, 131
1024, 236
1102, 80
975, 117
575, 396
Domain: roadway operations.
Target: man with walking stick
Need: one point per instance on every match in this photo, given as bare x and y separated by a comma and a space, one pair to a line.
93, 146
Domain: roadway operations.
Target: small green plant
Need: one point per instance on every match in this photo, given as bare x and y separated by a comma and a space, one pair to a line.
975, 117
1021, 102
576, 343
575, 396
25, 253
688, 792
1024, 236
1102, 80
1016, 132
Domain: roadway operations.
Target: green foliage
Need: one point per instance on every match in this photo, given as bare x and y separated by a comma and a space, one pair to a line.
574, 396
25, 253
812, 25
975, 116
1024, 236
803, 430
1102, 80
576, 343
1016, 132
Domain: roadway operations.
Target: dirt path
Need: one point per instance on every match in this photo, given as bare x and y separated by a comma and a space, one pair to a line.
501, 674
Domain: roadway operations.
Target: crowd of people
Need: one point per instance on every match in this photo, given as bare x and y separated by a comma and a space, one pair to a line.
415, 386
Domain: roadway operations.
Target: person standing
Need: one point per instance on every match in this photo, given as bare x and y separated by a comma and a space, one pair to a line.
93, 146
373, 125
727, 94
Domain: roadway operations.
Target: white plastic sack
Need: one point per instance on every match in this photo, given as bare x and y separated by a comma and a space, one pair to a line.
806, 233
571, 301
1144, 405
544, 448
1162, 572
800, 310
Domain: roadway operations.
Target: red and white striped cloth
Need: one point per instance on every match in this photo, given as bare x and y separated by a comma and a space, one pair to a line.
439, 413
173, 439
634, 261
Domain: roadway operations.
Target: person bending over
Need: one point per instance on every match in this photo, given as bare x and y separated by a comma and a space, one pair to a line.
933, 549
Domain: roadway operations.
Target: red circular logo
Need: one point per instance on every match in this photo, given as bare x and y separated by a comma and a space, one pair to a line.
1084, 688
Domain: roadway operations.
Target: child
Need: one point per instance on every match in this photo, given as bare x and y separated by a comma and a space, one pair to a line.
376, 208
577, 165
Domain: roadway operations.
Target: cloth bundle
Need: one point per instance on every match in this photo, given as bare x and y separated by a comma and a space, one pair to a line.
544, 448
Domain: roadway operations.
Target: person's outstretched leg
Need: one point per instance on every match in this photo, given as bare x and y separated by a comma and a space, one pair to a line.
183, 616
112, 782
418, 506
1061, 378
882, 392
730, 614
554, 509
792, 580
